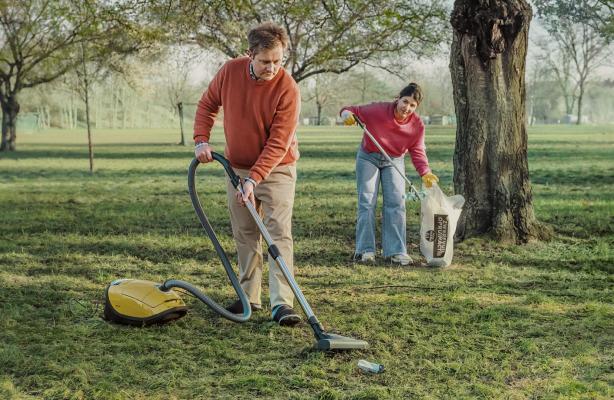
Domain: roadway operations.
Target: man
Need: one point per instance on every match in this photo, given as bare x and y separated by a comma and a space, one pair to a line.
261, 104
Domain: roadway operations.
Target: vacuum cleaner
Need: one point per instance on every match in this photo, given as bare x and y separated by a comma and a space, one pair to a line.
142, 303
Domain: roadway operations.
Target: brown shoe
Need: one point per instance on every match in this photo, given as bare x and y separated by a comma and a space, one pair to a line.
285, 315
237, 307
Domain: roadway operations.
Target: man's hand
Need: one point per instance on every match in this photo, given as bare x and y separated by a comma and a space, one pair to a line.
348, 118
248, 193
202, 151
428, 179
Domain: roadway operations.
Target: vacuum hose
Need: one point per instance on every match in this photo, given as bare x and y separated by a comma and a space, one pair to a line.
171, 283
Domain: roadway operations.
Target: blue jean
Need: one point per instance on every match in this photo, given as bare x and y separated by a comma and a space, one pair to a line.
371, 169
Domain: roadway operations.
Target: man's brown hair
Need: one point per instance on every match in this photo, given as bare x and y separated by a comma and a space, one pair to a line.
267, 35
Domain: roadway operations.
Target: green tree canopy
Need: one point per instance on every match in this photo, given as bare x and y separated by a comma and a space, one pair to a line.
598, 14
327, 36
40, 40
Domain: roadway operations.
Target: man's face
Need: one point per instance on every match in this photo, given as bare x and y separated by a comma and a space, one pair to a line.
405, 106
267, 62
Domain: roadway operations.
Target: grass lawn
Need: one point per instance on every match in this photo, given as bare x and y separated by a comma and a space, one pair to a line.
508, 322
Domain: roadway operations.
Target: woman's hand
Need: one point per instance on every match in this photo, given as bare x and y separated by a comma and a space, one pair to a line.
348, 118
429, 178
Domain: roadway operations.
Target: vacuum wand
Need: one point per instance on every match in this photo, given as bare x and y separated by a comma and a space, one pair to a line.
324, 340
274, 252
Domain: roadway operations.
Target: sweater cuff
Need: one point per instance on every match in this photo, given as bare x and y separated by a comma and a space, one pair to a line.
202, 138
252, 181
426, 171
255, 176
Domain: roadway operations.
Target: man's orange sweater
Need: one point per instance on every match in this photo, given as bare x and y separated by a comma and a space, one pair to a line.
260, 117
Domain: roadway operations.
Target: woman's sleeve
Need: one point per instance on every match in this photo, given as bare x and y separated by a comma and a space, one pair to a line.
418, 155
353, 109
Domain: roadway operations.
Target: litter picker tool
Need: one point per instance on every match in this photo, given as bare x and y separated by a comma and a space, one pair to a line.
414, 194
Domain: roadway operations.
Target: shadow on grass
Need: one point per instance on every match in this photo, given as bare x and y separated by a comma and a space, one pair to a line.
135, 173
550, 256
580, 181
61, 254
101, 152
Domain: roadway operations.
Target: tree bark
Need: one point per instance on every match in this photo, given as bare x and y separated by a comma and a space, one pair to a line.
10, 109
580, 96
180, 112
5, 131
86, 97
487, 64
90, 146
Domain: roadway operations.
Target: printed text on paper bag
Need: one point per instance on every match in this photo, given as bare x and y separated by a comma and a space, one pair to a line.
441, 235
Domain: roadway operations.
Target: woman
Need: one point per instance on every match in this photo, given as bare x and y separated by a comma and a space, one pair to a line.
399, 130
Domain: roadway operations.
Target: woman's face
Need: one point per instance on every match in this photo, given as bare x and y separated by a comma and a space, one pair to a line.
406, 105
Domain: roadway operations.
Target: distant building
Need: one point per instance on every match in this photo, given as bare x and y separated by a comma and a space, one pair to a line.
28, 122
324, 121
439, 120
572, 119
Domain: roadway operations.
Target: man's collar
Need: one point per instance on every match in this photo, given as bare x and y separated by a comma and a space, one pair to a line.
252, 74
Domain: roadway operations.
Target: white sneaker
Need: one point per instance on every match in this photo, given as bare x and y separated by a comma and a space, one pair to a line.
365, 258
402, 259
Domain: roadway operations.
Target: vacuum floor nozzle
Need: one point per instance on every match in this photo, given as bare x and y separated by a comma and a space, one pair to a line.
330, 341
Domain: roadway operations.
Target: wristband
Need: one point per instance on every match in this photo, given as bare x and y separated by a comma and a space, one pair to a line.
251, 180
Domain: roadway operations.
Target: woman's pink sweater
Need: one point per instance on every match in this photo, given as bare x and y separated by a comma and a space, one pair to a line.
396, 138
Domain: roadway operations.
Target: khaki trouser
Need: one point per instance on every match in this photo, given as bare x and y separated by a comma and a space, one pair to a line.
274, 201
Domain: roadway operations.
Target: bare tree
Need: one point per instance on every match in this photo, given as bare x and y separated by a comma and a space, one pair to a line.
539, 90
36, 41
322, 91
41, 41
174, 71
598, 14
573, 51
555, 63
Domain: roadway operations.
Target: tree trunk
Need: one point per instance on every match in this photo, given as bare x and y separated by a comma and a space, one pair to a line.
98, 107
180, 112
570, 102
115, 97
319, 113
90, 146
74, 113
5, 130
124, 110
86, 98
363, 87
487, 64
10, 109
532, 112
580, 96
